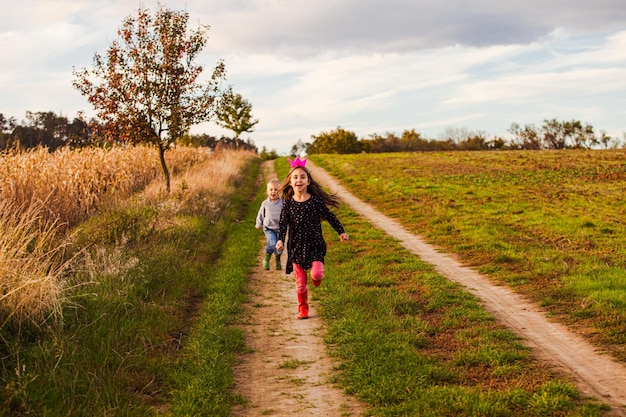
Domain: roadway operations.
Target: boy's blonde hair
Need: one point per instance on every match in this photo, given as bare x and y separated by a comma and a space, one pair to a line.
270, 182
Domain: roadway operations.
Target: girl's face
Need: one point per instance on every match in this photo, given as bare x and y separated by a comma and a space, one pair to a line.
299, 180
272, 191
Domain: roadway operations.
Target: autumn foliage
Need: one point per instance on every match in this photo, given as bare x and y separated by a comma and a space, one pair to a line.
147, 88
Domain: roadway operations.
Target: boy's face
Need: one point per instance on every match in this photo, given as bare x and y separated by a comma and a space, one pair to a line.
272, 191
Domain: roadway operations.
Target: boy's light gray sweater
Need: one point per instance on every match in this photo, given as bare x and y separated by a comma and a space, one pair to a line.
269, 214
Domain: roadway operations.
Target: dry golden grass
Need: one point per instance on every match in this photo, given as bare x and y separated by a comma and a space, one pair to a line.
74, 184
199, 189
44, 194
31, 264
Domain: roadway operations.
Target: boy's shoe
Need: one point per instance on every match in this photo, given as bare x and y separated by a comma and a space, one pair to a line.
266, 261
278, 264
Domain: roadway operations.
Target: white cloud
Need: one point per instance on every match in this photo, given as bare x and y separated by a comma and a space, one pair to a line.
308, 27
371, 66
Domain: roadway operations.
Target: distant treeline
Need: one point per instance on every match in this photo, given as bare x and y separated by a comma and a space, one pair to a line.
47, 129
553, 134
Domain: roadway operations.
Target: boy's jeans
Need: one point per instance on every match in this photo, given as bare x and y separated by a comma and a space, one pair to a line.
272, 238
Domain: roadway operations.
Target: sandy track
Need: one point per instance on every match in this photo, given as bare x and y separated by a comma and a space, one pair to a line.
596, 373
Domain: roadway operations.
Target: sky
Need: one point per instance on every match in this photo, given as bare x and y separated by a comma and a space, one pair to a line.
368, 66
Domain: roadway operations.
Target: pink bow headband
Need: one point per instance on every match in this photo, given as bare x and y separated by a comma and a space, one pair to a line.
297, 162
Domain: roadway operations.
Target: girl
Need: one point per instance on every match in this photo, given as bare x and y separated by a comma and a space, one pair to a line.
267, 220
305, 205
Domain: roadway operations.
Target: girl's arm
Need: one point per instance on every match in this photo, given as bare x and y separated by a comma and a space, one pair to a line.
334, 222
283, 223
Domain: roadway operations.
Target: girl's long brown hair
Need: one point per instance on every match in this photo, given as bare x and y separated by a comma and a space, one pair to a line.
286, 190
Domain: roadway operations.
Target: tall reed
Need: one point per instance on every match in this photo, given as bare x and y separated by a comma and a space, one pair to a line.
31, 264
43, 195
77, 183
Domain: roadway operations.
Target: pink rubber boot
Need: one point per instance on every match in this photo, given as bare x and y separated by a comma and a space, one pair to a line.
303, 307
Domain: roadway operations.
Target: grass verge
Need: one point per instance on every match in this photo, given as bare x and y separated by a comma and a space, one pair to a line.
204, 375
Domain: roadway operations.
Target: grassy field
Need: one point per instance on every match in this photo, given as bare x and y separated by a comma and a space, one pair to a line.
149, 326
549, 224
411, 343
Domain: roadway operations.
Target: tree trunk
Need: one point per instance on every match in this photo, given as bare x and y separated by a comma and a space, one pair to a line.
166, 172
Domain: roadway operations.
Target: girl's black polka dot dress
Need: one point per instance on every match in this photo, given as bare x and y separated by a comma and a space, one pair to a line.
303, 220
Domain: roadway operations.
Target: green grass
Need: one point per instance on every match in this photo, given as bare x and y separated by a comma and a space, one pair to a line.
204, 376
293, 364
549, 224
412, 343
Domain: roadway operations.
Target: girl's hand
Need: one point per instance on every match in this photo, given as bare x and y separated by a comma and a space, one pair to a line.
343, 236
279, 245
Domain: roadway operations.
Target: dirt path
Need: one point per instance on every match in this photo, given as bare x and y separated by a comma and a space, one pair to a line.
595, 372
287, 371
